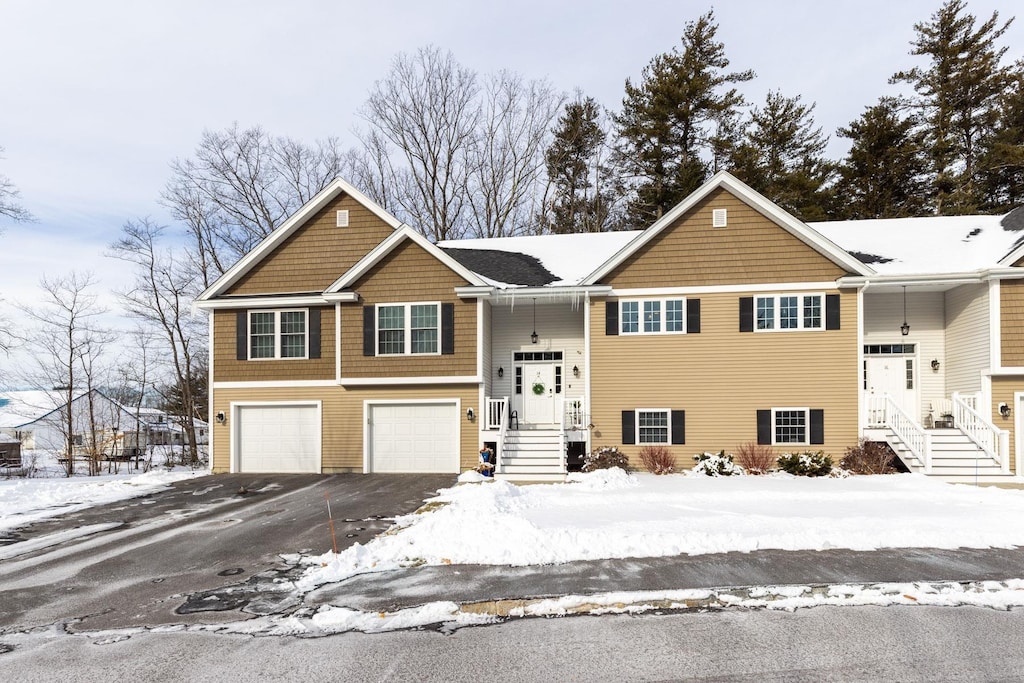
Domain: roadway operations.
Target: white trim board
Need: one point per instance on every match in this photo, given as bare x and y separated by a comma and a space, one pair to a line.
394, 381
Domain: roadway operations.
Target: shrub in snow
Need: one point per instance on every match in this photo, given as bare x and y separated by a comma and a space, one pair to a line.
869, 457
716, 465
806, 464
657, 459
755, 458
604, 458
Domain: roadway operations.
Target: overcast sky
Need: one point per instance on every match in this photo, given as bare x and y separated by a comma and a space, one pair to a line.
98, 96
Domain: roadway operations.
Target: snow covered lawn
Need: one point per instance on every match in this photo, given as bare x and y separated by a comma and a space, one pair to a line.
611, 514
23, 501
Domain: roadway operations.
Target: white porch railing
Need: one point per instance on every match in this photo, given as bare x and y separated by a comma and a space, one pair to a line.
991, 439
884, 412
573, 413
497, 408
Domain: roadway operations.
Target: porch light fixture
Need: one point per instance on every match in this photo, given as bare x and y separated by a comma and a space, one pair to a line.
935, 364
1004, 410
533, 335
501, 371
221, 417
575, 371
905, 327
470, 414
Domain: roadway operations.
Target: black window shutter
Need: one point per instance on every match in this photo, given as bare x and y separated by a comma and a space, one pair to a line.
831, 311
628, 427
314, 333
447, 329
611, 317
817, 426
692, 317
764, 427
369, 330
242, 335
678, 426
746, 314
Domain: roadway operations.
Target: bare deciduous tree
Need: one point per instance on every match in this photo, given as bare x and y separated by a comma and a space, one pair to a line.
161, 298
9, 196
239, 186
451, 157
507, 157
67, 343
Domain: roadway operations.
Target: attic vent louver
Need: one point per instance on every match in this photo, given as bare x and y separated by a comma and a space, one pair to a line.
719, 218
343, 218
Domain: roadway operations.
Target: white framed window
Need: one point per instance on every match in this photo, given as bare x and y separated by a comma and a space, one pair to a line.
653, 426
278, 334
790, 425
652, 316
408, 329
787, 312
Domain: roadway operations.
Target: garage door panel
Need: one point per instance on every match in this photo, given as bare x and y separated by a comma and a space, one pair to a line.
414, 438
282, 438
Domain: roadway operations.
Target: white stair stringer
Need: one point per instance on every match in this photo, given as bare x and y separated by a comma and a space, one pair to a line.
531, 455
954, 458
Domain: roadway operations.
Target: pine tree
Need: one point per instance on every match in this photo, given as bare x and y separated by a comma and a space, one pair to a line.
957, 93
781, 155
883, 174
581, 184
1002, 160
668, 121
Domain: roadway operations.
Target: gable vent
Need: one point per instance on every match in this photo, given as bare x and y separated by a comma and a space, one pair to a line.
719, 218
343, 218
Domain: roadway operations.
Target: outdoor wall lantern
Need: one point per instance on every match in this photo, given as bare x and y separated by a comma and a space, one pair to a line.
935, 364
905, 327
533, 336
221, 417
575, 371
470, 414
1004, 410
501, 371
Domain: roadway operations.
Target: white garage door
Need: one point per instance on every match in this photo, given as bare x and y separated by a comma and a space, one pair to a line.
414, 437
278, 438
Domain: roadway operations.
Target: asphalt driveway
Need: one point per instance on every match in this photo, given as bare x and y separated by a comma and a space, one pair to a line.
185, 555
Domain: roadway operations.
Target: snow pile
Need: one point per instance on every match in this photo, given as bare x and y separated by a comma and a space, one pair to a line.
23, 501
610, 514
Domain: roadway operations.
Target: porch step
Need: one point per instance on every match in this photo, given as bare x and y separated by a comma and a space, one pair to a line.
532, 455
954, 458
531, 477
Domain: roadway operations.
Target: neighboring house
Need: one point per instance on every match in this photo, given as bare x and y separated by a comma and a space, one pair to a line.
346, 341
10, 451
39, 420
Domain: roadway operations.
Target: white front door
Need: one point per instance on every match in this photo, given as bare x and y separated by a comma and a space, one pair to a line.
895, 375
538, 393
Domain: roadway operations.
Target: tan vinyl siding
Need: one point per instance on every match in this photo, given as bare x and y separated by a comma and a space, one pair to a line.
227, 367
342, 427
409, 274
1011, 311
721, 377
751, 249
317, 253
1003, 389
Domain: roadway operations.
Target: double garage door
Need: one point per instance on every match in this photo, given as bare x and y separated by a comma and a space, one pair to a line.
399, 437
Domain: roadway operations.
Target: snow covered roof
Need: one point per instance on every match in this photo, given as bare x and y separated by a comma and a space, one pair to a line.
927, 246
538, 260
18, 408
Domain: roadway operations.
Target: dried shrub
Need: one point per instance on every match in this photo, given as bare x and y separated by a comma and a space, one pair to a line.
604, 458
756, 458
716, 464
806, 464
869, 457
657, 459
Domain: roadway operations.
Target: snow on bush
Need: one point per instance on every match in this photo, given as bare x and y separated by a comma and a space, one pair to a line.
716, 465
806, 464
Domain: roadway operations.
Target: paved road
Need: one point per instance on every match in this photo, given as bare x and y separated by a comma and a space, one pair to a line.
150, 553
820, 644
